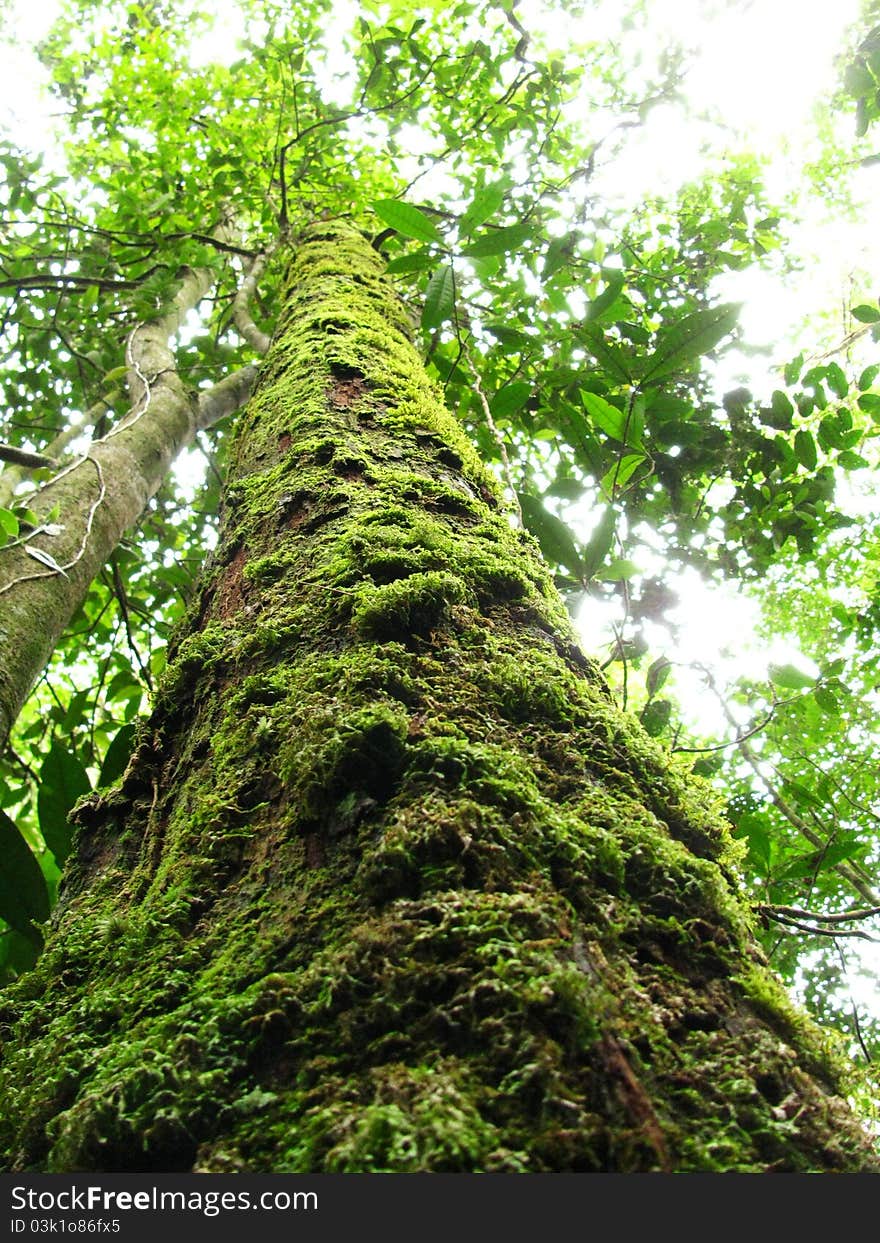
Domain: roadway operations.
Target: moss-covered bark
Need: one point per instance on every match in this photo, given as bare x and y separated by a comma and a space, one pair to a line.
390, 884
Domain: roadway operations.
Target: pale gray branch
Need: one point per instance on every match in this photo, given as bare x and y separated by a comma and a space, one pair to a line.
225, 397
241, 312
13, 475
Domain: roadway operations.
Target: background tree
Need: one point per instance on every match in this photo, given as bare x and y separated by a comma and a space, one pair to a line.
567, 337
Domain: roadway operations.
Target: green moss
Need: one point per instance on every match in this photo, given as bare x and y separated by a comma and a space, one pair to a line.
407, 607
419, 1119
201, 652
773, 1004
335, 756
533, 688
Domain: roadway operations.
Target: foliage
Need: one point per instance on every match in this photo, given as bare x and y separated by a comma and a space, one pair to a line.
572, 336
861, 81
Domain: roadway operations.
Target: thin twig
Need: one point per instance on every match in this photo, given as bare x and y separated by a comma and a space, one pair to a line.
836, 933
22, 763
122, 601
846, 870
493, 429
797, 913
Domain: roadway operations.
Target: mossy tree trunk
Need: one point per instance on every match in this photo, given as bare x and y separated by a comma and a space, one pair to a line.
389, 883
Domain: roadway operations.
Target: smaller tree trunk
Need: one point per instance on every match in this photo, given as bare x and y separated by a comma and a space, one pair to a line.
90, 505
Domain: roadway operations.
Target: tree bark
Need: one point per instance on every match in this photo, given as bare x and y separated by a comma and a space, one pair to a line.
99, 497
389, 883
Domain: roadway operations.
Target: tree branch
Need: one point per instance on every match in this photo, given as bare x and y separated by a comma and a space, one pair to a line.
12, 475
24, 458
241, 314
225, 397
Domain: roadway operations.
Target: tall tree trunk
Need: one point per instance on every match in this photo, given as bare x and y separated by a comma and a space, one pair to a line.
389, 883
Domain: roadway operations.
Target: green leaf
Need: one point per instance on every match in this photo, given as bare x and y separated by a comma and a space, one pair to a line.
606, 298
866, 314
509, 336
407, 220
418, 261
835, 430
511, 397
63, 780
821, 860
567, 487
655, 716
117, 756
657, 674
805, 449
123, 685
790, 677
559, 253
708, 765
858, 78
9, 526
870, 403
582, 439
621, 472
837, 381
499, 241
611, 358
782, 411
484, 204
619, 570
439, 297
693, 336
663, 406
611, 420
555, 259
556, 540
755, 830
23, 893
599, 544
633, 332
852, 461
19, 951
826, 700
792, 370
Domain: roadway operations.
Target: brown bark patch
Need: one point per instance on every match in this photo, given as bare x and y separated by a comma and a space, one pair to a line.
284, 441
296, 509
346, 392
635, 1099
230, 590
314, 851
